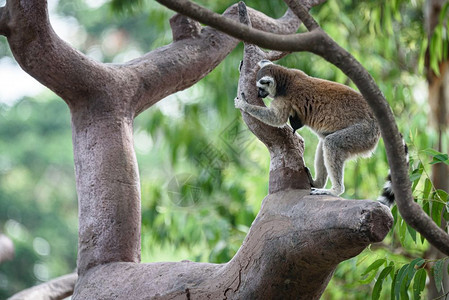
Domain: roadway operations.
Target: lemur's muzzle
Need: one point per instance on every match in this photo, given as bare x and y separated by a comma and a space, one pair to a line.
262, 93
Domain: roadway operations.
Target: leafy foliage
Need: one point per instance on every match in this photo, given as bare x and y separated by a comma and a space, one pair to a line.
37, 193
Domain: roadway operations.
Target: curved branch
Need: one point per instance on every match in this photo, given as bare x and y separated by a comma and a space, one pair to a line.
318, 42
58, 288
285, 42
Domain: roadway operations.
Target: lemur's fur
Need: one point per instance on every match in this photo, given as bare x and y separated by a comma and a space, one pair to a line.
339, 116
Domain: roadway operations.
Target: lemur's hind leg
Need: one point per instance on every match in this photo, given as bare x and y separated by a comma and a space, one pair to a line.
320, 169
334, 160
339, 146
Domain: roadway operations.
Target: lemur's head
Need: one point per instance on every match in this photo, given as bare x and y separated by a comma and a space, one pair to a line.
265, 82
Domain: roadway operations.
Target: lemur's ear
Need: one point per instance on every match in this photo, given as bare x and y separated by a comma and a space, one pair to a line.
264, 62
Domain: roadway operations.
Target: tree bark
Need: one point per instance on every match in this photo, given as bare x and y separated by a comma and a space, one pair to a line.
438, 86
291, 251
56, 289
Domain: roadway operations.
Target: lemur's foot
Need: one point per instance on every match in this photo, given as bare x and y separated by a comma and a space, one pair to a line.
322, 192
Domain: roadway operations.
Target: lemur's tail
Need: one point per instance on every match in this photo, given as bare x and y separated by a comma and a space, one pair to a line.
387, 198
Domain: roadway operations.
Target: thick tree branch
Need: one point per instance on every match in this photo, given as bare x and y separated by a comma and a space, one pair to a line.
290, 252
58, 288
318, 42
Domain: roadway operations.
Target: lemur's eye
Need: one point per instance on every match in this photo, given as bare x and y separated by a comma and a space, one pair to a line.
264, 81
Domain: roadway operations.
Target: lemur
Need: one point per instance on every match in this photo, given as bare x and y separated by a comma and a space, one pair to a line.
337, 114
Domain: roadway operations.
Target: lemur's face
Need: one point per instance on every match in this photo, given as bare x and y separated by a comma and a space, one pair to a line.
266, 86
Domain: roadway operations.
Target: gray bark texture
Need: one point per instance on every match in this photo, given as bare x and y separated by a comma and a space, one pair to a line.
291, 251
294, 244
438, 87
56, 289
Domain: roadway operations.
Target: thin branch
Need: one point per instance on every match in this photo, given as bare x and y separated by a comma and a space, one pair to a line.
303, 14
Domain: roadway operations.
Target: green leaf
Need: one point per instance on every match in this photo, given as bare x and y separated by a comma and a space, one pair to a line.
416, 174
393, 283
374, 266
437, 209
427, 189
378, 285
440, 158
430, 152
394, 212
411, 270
419, 283
368, 279
399, 279
434, 52
438, 274
406, 275
412, 233
422, 55
443, 12
387, 20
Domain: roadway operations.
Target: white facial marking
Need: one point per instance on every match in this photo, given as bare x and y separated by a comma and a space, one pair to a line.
265, 82
387, 186
268, 84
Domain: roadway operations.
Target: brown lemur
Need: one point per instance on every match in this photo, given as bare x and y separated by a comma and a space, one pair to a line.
337, 114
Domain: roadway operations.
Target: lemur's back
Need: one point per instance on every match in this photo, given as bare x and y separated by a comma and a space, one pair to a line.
327, 106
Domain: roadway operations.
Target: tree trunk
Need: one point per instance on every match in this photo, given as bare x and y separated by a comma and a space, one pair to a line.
439, 118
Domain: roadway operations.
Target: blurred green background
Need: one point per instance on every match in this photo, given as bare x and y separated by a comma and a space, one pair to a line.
203, 174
